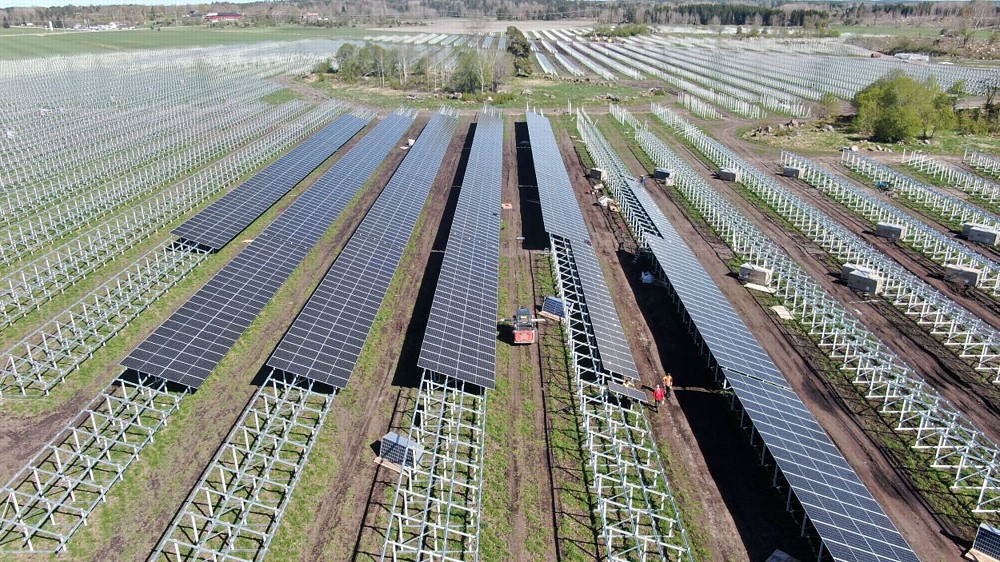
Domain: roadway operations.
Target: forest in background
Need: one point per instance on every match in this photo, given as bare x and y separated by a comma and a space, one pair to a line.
975, 15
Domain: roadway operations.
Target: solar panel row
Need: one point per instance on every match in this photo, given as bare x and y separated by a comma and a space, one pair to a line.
847, 518
326, 338
560, 212
217, 225
611, 343
562, 217
460, 340
190, 344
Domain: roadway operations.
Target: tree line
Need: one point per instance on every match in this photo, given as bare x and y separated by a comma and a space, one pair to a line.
403, 66
977, 14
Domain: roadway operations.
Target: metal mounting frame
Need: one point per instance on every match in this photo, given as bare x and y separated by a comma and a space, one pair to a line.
435, 511
237, 505
45, 503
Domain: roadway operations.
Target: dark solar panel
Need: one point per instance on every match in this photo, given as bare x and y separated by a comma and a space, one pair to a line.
326, 338
460, 340
554, 307
562, 217
190, 344
216, 225
616, 356
987, 540
847, 518
631, 392
400, 450
560, 211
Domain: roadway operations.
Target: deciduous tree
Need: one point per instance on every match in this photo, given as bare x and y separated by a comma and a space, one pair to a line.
897, 107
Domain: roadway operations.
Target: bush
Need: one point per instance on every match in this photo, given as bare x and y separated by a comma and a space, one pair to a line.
898, 108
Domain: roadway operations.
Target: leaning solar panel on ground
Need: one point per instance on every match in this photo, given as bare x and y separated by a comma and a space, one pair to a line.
553, 306
987, 541
400, 450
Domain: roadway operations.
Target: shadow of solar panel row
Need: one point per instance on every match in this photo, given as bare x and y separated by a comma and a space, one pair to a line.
460, 340
560, 212
217, 225
190, 344
324, 342
562, 217
848, 520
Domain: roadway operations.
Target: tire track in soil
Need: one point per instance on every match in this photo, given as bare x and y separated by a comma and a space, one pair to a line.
528, 454
22, 436
163, 497
930, 358
978, 301
935, 362
568, 513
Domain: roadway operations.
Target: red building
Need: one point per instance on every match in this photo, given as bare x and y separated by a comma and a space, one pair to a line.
214, 17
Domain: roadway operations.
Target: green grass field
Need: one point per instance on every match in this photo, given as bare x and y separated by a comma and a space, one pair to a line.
899, 30
31, 43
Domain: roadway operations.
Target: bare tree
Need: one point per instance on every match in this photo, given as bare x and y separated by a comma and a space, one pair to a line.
380, 55
980, 10
991, 87
484, 67
406, 57
499, 64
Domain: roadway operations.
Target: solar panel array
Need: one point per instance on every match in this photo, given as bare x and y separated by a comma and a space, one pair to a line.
611, 343
217, 225
847, 518
190, 344
460, 340
326, 338
562, 217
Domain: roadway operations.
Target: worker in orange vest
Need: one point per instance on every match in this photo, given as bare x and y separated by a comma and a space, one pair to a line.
668, 383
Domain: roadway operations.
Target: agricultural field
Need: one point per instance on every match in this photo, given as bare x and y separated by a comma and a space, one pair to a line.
253, 311
21, 43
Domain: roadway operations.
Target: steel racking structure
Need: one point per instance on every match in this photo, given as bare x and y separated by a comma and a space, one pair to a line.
435, 511
974, 185
947, 207
45, 503
929, 422
45, 357
639, 517
937, 246
39, 281
974, 341
237, 505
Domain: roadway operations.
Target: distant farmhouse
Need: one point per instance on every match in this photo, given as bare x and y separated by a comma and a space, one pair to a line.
220, 17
